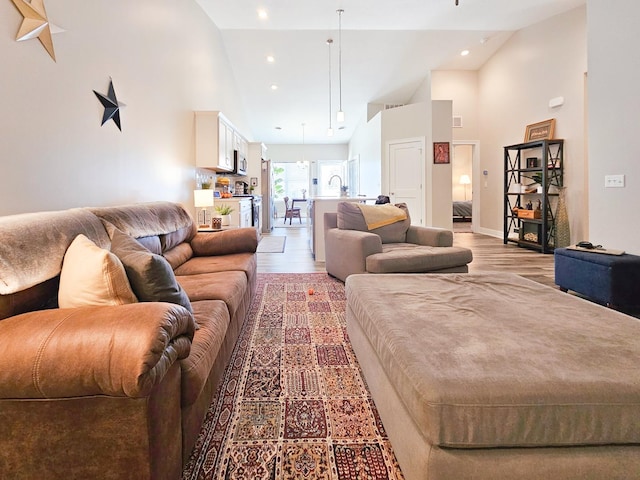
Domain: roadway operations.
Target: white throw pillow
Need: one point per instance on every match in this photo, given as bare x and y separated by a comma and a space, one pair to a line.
92, 276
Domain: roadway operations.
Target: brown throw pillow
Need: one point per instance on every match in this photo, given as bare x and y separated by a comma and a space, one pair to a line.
150, 275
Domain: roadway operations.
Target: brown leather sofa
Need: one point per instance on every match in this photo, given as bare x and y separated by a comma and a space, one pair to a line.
115, 391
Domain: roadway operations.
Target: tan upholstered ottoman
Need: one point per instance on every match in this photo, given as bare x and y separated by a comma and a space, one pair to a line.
493, 376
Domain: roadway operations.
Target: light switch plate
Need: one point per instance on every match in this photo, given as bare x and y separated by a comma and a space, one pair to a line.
614, 181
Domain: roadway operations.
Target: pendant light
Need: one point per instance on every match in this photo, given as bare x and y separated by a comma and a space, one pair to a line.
330, 129
302, 163
340, 114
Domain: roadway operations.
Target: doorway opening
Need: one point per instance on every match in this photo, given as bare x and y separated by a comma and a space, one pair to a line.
465, 177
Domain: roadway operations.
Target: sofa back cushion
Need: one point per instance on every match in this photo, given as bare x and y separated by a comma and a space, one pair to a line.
350, 218
178, 254
161, 227
32, 245
169, 221
151, 243
39, 297
150, 275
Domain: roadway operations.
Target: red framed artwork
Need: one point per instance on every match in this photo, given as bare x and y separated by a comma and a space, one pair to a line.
441, 152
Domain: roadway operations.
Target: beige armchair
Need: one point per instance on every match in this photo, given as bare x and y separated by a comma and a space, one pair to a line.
399, 248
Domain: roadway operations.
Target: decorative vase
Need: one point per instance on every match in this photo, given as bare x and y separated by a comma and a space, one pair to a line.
226, 220
563, 234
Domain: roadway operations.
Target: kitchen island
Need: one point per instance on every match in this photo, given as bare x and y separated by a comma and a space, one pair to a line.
317, 207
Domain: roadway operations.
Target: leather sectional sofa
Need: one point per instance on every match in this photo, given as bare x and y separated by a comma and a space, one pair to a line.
115, 390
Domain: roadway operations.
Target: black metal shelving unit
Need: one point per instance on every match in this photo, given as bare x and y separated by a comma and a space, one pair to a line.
529, 164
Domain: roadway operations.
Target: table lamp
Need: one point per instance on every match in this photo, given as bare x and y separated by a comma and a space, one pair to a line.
203, 199
465, 180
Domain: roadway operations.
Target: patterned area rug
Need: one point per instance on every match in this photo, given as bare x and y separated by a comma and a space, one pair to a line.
293, 403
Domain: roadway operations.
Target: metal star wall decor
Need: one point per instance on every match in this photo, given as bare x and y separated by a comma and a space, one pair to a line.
35, 24
111, 106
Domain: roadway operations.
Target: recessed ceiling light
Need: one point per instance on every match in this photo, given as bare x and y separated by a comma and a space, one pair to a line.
262, 14
274, 87
464, 53
270, 58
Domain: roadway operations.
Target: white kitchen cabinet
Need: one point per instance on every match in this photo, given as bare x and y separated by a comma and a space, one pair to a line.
242, 212
241, 145
225, 150
245, 213
214, 141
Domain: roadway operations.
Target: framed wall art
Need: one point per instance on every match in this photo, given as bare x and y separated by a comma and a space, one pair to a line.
441, 152
540, 131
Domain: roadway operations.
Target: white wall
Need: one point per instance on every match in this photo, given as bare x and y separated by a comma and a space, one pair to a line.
614, 118
439, 191
423, 92
166, 59
366, 143
536, 64
460, 86
310, 152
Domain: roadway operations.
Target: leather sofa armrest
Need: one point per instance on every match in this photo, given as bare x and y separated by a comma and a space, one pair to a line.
239, 240
122, 350
430, 236
346, 251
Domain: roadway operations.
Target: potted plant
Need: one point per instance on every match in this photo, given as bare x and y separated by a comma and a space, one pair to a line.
225, 212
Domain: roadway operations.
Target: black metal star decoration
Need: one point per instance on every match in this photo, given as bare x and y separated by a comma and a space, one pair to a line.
111, 106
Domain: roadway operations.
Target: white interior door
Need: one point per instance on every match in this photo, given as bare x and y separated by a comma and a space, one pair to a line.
406, 177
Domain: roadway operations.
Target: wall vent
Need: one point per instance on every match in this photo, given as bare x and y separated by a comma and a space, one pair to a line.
388, 106
457, 121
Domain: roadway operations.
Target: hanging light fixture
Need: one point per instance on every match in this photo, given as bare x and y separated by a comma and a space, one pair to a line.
330, 129
340, 114
302, 163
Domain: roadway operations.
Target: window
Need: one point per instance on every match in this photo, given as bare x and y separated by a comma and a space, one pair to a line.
291, 179
326, 170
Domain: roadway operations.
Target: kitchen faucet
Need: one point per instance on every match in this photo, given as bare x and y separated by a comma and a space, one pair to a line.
339, 179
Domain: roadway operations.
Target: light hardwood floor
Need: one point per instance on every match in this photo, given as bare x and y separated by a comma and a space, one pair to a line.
489, 255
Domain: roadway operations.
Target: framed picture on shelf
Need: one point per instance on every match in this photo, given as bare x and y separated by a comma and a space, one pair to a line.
540, 131
441, 152
532, 162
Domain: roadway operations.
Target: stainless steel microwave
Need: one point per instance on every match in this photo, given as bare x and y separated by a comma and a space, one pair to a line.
239, 163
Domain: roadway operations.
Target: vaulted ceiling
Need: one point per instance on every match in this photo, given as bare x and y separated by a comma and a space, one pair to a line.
388, 49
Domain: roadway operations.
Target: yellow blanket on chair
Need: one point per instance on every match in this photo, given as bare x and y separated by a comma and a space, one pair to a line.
376, 216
